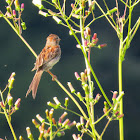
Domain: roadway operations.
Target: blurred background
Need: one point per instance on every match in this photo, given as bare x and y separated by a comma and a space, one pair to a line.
15, 57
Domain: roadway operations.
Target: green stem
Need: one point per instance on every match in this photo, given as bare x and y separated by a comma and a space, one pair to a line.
29, 47
77, 104
120, 90
9, 123
51, 132
92, 71
7, 118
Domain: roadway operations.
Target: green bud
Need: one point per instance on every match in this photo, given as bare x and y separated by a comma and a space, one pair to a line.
52, 105
23, 26
10, 100
17, 5
71, 87
66, 101
60, 133
80, 96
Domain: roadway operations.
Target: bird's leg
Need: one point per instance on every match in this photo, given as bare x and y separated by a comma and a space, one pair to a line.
53, 76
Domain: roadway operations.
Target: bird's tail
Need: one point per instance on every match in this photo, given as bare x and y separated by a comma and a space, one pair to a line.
34, 84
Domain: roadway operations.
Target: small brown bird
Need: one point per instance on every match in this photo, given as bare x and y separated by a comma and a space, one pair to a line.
47, 58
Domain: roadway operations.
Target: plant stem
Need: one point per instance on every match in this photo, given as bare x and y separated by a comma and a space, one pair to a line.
29, 47
120, 90
77, 104
10, 125
51, 133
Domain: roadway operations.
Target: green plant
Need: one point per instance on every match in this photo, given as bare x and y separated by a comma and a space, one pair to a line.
76, 22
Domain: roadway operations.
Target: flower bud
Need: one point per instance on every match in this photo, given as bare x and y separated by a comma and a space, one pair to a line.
51, 114
76, 16
47, 113
91, 6
63, 115
11, 81
120, 116
86, 12
77, 75
57, 20
72, 5
97, 98
78, 46
95, 41
17, 5
88, 31
70, 125
8, 9
71, 87
41, 135
29, 134
94, 36
120, 96
40, 118
22, 6
43, 13
52, 105
42, 127
102, 46
83, 78
66, 101
80, 96
38, 4
10, 100
60, 133
37, 125
14, 13
2, 105
81, 120
54, 122
8, 2
48, 130
86, 88
23, 26
56, 101
106, 107
65, 122
17, 104
21, 138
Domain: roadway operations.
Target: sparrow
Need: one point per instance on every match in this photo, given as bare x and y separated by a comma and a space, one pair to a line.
47, 58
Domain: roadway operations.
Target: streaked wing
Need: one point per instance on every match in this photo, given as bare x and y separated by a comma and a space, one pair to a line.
46, 55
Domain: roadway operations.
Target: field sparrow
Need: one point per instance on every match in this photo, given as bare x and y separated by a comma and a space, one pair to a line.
47, 58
